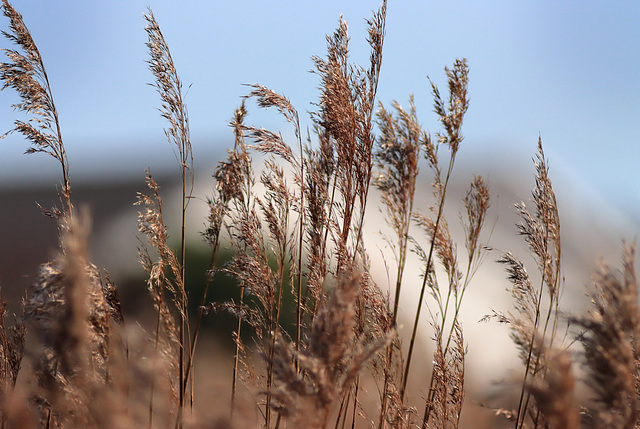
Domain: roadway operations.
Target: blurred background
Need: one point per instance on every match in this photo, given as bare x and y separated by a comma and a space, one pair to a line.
567, 71
563, 71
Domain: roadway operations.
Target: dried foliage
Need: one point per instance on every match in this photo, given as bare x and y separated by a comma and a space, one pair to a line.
533, 331
174, 110
75, 313
610, 341
12, 342
169, 87
164, 273
25, 73
555, 394
329, 363
316, 341
448, 383
398, 150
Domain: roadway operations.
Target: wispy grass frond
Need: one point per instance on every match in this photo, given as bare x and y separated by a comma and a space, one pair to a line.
174, 110
330, 361
397, 153
26, 74
317, 341
448, 382
555, 394
452, 113
270, 142
169, 87
476, 202
267, 98
74, 313
167, 268
439, 243
12, 343
534, 331
345, 118
164, 276
525, 296
611, 343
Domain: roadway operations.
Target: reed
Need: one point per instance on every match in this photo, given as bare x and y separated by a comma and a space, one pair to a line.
317, 342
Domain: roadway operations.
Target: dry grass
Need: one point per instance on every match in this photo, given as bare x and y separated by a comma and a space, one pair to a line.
316, 342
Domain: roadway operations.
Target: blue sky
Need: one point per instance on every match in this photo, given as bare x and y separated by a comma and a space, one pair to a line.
566, 70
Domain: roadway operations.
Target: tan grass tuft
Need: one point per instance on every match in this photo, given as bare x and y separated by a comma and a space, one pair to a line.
555, 394
73, 311
611, 345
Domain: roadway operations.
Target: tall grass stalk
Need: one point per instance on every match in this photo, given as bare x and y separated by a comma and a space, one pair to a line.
398, 150
314, 331
174, 110
26, 74
542, 233
451, 117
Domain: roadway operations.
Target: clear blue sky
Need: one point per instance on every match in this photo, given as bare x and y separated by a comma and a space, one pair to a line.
567, 70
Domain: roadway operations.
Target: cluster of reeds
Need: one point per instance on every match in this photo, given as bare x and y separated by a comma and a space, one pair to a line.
316, 336
608, 334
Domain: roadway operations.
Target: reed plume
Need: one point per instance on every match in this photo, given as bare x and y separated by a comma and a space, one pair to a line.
26, 74
316, 341
542, 233
174, 110
555, 393
12, 345
611, 345
75, 312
